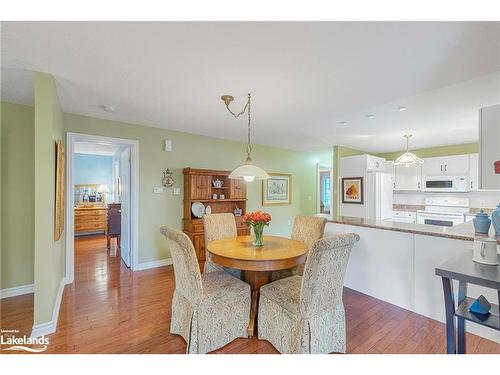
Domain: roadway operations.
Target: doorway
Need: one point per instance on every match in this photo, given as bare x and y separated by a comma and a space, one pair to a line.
325, 177
102, 197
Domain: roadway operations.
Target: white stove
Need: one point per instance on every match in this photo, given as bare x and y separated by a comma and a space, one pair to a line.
443, 211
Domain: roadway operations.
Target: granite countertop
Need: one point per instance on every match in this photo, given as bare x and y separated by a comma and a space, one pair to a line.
464, 232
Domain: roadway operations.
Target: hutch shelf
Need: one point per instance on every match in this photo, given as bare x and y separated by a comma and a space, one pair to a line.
199, 187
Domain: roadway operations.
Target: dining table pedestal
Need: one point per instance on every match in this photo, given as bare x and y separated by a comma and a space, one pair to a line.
257, 262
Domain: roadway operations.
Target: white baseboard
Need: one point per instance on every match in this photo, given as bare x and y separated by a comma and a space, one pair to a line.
153, 264
16, 291
51, 326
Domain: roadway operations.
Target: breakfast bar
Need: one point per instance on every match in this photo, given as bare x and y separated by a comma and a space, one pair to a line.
396, 262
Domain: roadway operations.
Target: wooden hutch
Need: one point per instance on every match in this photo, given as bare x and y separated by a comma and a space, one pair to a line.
199, 187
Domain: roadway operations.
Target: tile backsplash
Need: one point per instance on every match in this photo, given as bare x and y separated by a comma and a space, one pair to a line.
478, 199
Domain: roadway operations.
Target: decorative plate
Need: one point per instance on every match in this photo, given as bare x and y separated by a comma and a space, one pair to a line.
198, 209
208, 210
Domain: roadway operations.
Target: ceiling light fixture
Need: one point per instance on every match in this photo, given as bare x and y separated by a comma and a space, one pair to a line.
402, 109
107, 108
408, 159
342, 122
247, 171
370, 116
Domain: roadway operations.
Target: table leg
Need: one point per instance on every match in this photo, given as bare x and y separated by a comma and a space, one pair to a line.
462, 294
256, 279
449, 305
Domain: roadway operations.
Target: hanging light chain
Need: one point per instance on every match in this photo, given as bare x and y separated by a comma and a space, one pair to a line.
236, 115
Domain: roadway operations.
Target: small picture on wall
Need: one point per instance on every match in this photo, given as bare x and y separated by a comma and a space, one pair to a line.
352, 190
277, 190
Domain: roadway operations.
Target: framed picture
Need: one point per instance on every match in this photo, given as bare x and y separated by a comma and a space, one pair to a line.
59, 206
352, 190
277, 190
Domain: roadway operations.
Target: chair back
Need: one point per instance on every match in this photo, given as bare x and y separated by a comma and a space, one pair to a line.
324, 272
186, 269
219, 226
308, 229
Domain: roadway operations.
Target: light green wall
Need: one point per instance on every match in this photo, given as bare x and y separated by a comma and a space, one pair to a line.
197, 151
467, 148
49, 255
18, 195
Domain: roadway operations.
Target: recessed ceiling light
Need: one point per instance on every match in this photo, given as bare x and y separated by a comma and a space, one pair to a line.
401, 109
370, 116
342, 122
107, 108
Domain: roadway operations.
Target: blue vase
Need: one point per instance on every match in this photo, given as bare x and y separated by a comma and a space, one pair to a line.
495, 218
482, 222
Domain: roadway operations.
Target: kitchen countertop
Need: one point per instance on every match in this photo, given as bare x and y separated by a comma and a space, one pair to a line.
464, 232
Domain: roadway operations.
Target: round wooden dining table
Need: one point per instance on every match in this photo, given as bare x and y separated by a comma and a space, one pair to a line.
257, 262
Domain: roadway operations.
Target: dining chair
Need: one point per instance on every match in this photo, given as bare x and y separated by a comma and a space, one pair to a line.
218, 227
209, 310
306, 229
305, 314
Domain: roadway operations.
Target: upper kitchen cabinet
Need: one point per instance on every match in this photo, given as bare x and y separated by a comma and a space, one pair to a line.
447, 165
474, 172
489, 147
408, 178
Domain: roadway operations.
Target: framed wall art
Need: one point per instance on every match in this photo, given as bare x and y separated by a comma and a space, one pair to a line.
352, 190
277, 190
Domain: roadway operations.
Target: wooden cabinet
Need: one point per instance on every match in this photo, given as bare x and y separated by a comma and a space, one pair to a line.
238, 189
199, 187
408, 178
90, 219
474, 172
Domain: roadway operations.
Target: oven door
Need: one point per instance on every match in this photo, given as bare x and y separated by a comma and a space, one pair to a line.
440, 219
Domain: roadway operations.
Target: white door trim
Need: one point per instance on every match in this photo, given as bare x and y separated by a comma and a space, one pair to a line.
71, 138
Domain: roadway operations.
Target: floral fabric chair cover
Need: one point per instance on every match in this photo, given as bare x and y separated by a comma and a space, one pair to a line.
306, 229
218, 227
209, 310
305, 314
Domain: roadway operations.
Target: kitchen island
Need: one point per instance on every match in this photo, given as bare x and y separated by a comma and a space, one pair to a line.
396, 262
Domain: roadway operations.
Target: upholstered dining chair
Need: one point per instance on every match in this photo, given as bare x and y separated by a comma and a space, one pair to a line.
306, 229
305, 314
209, 310
218, 227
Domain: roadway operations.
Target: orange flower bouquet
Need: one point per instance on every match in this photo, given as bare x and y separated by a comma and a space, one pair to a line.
257, 220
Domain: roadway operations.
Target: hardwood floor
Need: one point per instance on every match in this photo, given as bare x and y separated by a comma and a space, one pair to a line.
109, 309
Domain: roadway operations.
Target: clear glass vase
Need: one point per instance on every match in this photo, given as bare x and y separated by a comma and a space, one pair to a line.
258, 231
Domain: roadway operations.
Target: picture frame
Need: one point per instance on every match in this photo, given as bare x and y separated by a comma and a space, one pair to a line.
352, 190
59, 193
277, 190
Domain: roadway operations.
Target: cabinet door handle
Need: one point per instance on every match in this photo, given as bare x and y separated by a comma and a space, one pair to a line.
445, 168
419, 185
441, 167
471, 184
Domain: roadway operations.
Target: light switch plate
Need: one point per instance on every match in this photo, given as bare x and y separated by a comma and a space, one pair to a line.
157, 190
176, 191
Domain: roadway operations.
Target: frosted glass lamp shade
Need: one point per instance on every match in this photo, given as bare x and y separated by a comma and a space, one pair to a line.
408, 159
247, 171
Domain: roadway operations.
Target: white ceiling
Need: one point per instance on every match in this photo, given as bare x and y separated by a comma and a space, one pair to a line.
95, 148
304, 77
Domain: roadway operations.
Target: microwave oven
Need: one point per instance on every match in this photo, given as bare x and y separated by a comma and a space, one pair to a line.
452, 184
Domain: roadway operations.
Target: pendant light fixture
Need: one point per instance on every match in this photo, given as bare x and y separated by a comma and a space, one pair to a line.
408, 159
247, 171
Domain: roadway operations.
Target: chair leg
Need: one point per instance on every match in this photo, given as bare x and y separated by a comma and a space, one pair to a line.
107, 241
118, 241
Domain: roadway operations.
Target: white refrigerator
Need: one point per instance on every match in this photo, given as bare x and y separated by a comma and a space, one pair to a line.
379, 195
377, 187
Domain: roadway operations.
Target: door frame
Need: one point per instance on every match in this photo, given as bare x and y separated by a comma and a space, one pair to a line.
71, 138
323, 168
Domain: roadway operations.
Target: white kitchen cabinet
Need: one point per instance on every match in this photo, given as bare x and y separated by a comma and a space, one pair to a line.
474, 172
374, 163
446, 165
408, 178
389, 168
489, 151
